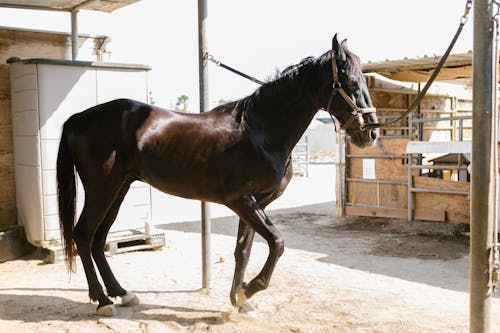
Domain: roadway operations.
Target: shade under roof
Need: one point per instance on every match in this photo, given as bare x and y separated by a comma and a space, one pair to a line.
68, 5
458, 67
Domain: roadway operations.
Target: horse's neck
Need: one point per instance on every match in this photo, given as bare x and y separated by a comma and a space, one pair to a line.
279, 119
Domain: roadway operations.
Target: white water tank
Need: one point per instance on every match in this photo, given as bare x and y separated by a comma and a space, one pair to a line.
45, 93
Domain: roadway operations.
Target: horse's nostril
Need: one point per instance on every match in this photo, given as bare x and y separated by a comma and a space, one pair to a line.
374, 134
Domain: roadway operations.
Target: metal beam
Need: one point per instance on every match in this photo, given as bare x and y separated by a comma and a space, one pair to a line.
32, 7
204, 101
483, 196
83, 4
67, 5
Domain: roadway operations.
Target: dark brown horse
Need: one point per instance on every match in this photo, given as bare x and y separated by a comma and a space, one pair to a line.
237, 154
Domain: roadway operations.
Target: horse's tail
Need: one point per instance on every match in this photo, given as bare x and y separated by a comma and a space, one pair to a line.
66, 196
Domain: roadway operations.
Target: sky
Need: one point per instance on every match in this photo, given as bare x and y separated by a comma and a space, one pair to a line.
257, 37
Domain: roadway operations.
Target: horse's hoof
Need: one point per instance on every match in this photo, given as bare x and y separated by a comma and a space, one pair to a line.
107, 310
129, 299
240, 296
248, 309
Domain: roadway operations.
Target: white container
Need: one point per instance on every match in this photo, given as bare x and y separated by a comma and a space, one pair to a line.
44, 94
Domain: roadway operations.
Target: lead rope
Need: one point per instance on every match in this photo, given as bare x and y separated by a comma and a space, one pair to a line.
211, 58
463, 20
495, 265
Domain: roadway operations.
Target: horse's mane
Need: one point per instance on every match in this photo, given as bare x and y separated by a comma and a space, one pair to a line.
303, 69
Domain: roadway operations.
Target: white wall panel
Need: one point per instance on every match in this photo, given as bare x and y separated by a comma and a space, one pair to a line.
115, 83
27, 150
64, 90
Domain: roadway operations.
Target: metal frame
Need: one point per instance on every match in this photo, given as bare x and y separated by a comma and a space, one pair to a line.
412, 121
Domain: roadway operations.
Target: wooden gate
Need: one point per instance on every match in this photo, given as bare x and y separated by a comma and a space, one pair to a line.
387, 181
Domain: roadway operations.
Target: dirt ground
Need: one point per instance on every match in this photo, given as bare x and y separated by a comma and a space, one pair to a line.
352, 276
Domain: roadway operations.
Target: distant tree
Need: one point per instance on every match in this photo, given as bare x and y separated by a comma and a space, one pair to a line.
223, 101
181, 104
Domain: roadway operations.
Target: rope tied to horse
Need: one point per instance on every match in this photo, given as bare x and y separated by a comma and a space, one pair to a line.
217, 62
463, 20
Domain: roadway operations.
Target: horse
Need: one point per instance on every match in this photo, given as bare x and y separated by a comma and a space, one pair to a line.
237, 154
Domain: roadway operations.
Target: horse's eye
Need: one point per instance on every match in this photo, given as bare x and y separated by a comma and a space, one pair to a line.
354, 84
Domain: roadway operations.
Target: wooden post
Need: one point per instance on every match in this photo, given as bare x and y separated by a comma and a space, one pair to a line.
74, 34
205, 206
483, 196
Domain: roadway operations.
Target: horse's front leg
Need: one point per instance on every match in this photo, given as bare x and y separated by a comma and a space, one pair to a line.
250, 212
241, 255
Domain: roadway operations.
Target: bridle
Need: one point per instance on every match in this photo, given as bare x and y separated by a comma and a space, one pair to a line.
357, 112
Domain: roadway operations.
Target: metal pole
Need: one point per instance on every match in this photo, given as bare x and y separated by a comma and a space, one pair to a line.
410, 174
482, 178
340, 179
74, 34
203, 78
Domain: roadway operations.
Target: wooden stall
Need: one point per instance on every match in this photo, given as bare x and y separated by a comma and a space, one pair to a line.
386, 180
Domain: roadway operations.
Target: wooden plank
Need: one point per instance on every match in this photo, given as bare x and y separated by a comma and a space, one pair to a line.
376, 212
393, 195
385, 169
440, 184
388, 99
387, 195
8, 211
455, 207
391, 146
362, 193
430, 215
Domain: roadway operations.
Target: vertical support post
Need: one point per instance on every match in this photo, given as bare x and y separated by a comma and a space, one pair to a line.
420, 125
340, 179
410, 173
204, 101
74, 34
482, 178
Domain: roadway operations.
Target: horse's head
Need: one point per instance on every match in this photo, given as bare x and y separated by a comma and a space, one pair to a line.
350, 100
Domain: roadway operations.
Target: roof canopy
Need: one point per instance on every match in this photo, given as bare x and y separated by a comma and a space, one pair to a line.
68, 5
458, 67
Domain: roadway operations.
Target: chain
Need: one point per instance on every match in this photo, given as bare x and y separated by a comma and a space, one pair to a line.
465, 16
210, 57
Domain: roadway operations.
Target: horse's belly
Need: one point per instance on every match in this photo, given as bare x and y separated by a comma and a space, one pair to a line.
185, 185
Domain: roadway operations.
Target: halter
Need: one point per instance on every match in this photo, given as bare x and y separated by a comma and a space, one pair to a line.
357, 112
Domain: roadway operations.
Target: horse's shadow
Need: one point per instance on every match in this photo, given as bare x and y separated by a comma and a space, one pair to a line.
39, 308
357, 244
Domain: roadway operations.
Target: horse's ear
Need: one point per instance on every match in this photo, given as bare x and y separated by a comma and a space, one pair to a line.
335, 44
339, 49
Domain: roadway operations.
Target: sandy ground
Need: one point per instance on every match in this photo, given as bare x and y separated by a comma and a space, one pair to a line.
355, 275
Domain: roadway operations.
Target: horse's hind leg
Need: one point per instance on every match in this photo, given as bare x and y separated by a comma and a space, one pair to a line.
112, 286
97, 203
